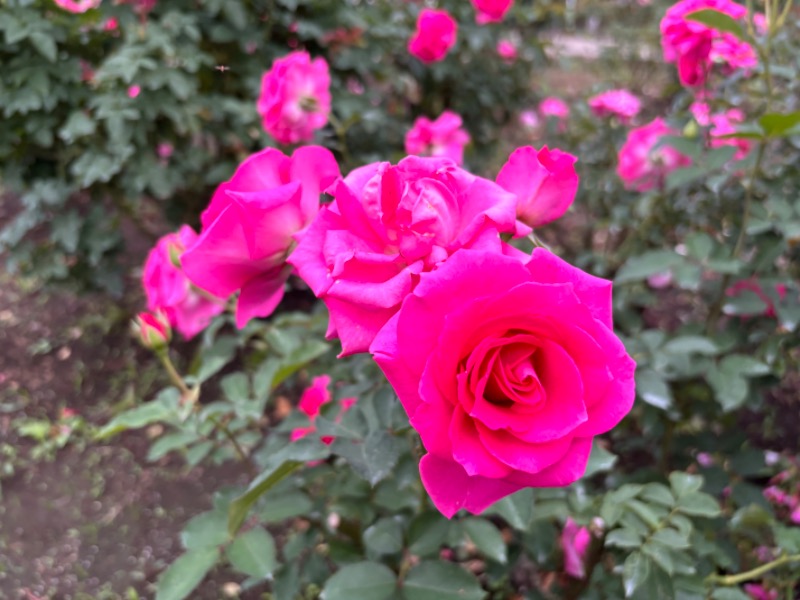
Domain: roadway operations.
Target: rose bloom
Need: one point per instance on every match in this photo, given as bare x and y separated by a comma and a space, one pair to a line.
694, 47
507, 50
529, 120
365, 251
170, 291
295, 98
642, 168
575, 542
554, 107
77, 6
435, 35
249, 225
754, 286
544, 182
722, 124
313, 398
618, 103
443, 137
507, 369
759, 592
491, 11
153, 330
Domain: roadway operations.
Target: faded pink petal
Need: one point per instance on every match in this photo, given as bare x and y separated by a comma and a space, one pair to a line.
77, 6
619, 103
641, 166
575, 542
443, 137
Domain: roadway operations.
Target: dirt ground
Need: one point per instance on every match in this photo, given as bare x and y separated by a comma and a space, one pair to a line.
87, 521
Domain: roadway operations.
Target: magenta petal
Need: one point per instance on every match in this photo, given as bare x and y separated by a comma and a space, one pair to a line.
594, 292
316, 169
523, 456
393, 365
468, 450
260, 296
451, 489
356, 327
568, 470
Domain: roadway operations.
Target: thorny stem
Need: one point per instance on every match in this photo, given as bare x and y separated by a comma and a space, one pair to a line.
245, 458
736, 579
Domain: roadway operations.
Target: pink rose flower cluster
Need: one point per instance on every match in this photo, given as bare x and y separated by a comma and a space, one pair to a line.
443, 137
491, 11
295, 98
695, 47
77, 6
720, 125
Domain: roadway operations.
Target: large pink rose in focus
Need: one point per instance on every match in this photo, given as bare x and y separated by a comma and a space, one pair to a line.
77, 6
619, 103
641, 167
435, 35
295, 98
168, 289
507, 370
695, 47
443, 137
544, 181
249, 225
365, 251
491, 11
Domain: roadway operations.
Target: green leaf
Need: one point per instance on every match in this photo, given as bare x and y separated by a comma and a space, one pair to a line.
280, 507
684, 483
269, 478
441, 581
730, 389
185, 574
743, 365
639, 268
236, 387
685, 175
634, 572
384, 537
427, 533
659, 494
600, 460
652, 388
253, 553
78, 125
717, 20
373, 459
45, 45
487, 538
516, 509
730, 593
777, 124
671, 538
623, 538
661, 556
163, 408
691, 344
698, 504
362, 581
206, 530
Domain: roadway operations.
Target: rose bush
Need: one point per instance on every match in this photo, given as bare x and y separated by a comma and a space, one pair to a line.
435, 35
507, 369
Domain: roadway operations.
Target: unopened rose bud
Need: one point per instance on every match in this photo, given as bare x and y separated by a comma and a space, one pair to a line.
153, 330
691, 130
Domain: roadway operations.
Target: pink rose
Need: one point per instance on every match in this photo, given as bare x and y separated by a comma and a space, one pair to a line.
544, 182
759, 592
491, 11
443, 137
529, 120
642, 168
249, 225
310, 403
153, 330
554, 107
507, 50
721, 124
694, 47
134, 91
365, 251
295, 98
77, 6
754, 286
435, 35
315, 396
507, 369
168, 289
575, 542
619, 103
